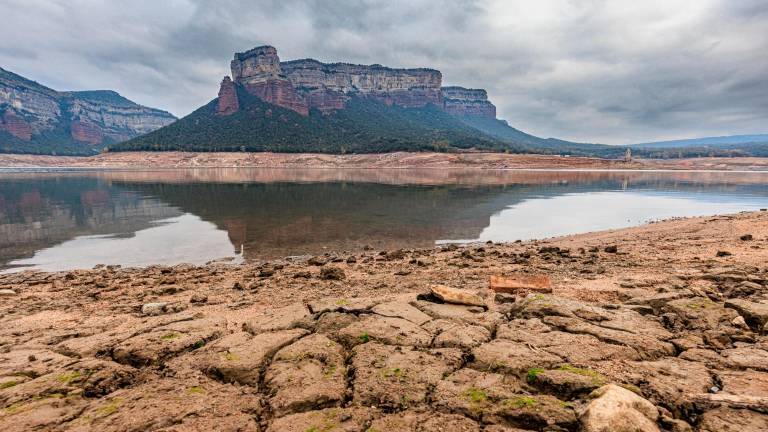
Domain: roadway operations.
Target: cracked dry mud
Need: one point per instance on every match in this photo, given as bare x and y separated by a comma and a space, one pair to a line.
662, 334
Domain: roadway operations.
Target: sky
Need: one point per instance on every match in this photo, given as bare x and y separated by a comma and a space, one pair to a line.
607, 71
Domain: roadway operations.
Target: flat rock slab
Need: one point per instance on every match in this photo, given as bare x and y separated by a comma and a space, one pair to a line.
294, 316
474, 315
392, 331
330, 419
567, 382
167, 341
513, 358
456, 296
307, 375
521, 282
699, 313
733, 420
415, 421
401, 309
746, 358
343, 304
398, 377
453, 334
749, 382
755, 314
647, 346
172, 405
669, 380
239, 357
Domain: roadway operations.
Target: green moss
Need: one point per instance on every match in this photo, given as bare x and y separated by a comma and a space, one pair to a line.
476, 395
170, 336
329, 371
196, 390
365, 337
70, 377
533, 373
8, 384
110, 408
396, 373
13, 408
199, 344
521, 402
633, 388
342, 302
230, 356
584, 372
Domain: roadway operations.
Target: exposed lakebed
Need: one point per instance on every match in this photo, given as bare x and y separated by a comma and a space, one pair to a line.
63, 219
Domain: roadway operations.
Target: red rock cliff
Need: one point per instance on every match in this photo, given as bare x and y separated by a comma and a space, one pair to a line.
258, 70
228, 103
86, 132
15, 126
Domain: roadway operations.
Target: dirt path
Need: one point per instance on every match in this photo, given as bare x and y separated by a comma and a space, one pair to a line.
387, 160
674, 313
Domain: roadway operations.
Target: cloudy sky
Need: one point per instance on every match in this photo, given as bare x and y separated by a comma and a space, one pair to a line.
611, 71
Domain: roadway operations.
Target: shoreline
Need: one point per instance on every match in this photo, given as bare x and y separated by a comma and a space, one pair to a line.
168, 160
673, 313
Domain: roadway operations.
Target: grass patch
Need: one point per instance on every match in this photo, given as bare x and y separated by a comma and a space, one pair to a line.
196, 390
199, 344
110, 408
583, 372
365, 337
170, 336
533, 373
521, 402
230, 356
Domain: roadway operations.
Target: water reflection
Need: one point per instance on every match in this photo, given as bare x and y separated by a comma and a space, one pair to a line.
78, 219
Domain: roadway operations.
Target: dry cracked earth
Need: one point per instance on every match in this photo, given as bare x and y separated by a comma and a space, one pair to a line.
659, 327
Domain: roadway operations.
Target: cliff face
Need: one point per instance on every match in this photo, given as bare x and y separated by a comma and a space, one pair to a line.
31, 112
303, 84
465, 102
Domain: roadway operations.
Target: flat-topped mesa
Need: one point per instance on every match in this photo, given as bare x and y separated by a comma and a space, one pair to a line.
467, 102
303, 84
258, 71
328, 85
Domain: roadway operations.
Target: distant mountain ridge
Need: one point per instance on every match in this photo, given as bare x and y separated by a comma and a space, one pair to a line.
708, 141
37, 119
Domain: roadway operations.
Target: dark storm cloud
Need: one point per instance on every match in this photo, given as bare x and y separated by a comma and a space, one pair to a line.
593, 70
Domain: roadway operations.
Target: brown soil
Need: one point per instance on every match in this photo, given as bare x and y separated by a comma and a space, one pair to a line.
673, 311
387, 160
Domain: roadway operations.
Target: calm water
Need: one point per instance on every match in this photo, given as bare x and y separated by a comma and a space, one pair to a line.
64, 220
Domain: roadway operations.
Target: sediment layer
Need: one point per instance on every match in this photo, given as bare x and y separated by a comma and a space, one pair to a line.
659, 326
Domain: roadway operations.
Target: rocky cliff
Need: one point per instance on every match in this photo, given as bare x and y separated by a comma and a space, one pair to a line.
300, 85
37, 119
467, 102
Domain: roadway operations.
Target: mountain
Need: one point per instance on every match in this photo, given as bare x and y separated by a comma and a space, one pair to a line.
708, 141
309, 106
38, 119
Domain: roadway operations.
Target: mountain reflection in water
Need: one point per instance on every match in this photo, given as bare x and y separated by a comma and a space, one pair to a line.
65, 220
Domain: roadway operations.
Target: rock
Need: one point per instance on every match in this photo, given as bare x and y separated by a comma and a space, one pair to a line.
566, 381
307, 375
504, 298
456, 296
239, 357
746, 358
331, 419
740, 323
667, 381
227, 102
198, 298
396, 377
332, 273
508, 357
616, 409
423, 421
343, 304
723, 254
464, 102
755, 314
7, 293
154, 308
611, 249
159, 344
318, 260
403, 310
746, 237
499, 399
392, 331
474, 315
293, 316
516, 283
452, 334
733, 420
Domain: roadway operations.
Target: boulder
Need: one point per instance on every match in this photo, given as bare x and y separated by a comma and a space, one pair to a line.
616, 409
755, 314
456, 296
